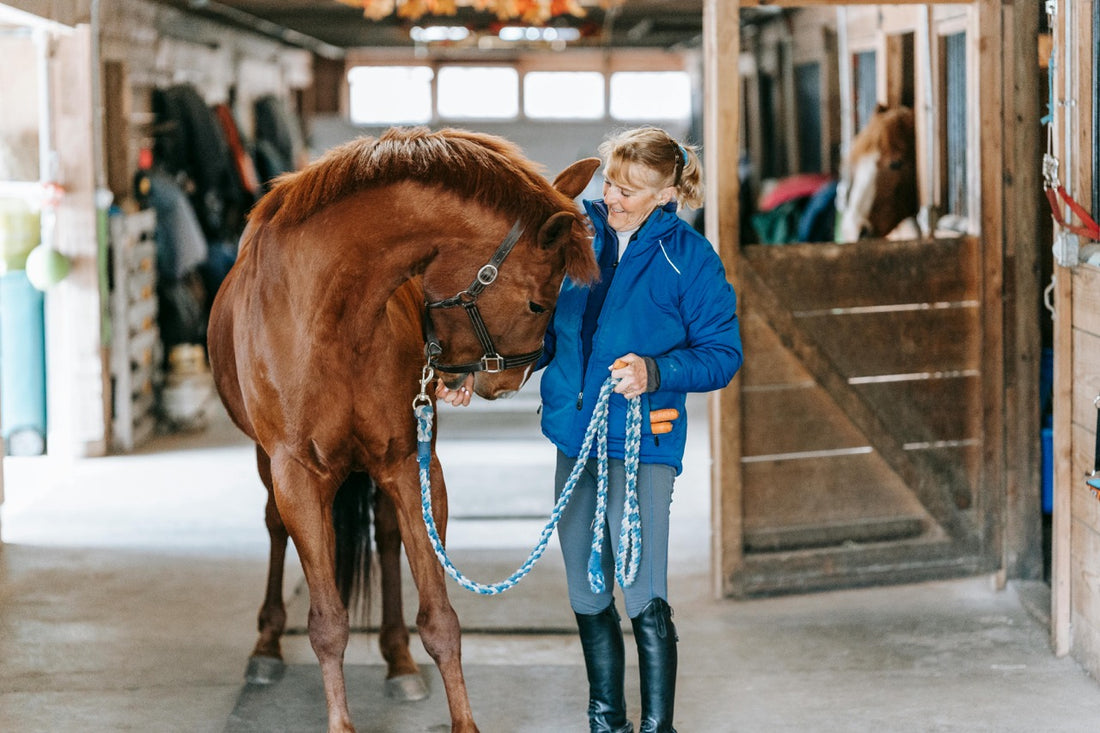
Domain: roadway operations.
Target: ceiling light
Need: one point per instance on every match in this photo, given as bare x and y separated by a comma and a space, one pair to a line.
535, 12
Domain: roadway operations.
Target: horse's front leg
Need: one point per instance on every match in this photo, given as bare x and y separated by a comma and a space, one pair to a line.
266, 663
403, 679
436, 619
305, 503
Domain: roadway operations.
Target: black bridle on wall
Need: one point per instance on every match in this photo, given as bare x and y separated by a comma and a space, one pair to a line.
491, 361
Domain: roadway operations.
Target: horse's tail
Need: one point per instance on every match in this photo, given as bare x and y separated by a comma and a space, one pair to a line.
351, 519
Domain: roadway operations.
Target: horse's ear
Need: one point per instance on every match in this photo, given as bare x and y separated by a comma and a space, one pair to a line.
573, 179
556, 229
560, 230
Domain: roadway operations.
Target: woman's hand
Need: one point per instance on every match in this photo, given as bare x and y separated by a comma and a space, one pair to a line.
458, 397
630, 370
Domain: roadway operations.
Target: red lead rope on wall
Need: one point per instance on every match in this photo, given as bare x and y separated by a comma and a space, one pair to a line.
1088, 229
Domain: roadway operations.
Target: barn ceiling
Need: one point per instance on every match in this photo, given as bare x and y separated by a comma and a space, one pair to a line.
332, 26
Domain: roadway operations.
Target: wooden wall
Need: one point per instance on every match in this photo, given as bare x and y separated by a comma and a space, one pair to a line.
132, 47
1084, 508
1075, 607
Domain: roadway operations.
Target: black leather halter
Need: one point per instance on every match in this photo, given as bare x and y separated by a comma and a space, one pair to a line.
491, 361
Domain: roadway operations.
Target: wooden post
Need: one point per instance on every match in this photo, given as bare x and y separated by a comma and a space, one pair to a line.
1062, 520
986, 41
1021, 554
75, 383
721, 48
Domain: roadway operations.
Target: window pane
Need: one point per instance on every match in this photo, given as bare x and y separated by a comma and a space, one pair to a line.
955, 102
866, 83
481, 92
650, 95
390, 94
563, 94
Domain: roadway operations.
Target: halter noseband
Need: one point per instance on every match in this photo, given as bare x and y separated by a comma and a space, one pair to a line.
491, 361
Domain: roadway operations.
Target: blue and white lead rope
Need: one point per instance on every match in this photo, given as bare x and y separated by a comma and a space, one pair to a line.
630, 533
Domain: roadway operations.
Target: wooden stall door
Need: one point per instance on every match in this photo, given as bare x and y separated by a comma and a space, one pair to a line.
862, 414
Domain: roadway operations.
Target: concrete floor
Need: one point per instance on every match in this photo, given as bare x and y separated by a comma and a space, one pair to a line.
129, 587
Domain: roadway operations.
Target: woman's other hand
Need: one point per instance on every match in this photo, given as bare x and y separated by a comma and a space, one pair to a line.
458, 397
631, 372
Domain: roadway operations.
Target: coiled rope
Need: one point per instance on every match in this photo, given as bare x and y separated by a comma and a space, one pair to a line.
630, 536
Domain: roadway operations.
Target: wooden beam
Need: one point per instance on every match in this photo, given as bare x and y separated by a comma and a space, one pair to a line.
803, 571
985, 39
1021, 554
721, 50
1064, 480
812, 3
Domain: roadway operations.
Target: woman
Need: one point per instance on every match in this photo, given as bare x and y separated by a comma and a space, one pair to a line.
662, 320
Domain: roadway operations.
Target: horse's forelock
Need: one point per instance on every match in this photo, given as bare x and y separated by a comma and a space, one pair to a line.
889, 132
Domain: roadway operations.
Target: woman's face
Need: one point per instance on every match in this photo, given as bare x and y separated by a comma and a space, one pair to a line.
629, 200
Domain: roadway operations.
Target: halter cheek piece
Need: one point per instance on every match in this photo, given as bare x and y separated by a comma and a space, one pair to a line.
492, 361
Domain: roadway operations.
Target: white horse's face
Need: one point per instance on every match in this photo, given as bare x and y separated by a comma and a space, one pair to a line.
855, 221
879, 188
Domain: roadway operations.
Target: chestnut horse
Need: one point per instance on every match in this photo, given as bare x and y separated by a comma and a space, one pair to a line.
881, 176
317, 346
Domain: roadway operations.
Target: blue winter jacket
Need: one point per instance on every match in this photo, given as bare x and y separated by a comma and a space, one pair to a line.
669, 300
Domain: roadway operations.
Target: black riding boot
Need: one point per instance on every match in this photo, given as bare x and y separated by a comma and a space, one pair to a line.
656, 639
602, 641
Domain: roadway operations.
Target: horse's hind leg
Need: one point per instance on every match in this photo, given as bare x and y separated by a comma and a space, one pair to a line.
305, 504
403, 679
266, 664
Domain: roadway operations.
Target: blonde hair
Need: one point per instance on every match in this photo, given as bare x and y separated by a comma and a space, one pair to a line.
666, 161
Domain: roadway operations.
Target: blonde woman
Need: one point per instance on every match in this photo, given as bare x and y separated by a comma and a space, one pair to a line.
663, 320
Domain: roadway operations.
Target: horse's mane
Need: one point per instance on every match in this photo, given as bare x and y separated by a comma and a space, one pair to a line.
890, 131
485, 168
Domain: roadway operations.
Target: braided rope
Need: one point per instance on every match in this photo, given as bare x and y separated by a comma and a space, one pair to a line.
630, 535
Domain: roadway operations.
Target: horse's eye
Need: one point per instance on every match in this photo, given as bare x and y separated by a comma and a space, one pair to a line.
535, 307
895, 164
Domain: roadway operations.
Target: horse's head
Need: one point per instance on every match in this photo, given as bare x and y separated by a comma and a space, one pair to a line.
881, 176
494, 328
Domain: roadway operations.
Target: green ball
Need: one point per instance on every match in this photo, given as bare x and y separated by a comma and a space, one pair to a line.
47, 267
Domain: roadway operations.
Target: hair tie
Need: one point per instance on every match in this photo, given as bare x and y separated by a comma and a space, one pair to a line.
679, 166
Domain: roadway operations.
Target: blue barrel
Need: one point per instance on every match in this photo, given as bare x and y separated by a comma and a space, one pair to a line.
22, 366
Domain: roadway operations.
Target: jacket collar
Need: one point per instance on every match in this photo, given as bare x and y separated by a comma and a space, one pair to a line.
660, 222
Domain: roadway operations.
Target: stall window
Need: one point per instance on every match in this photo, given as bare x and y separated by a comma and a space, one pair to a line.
389, 95
650, 95
955, 152
865, 79
807, 79
772, 152
478, 92
577, 95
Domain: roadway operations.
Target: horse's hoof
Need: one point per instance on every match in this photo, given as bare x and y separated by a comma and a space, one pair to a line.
264, 670
406, 688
